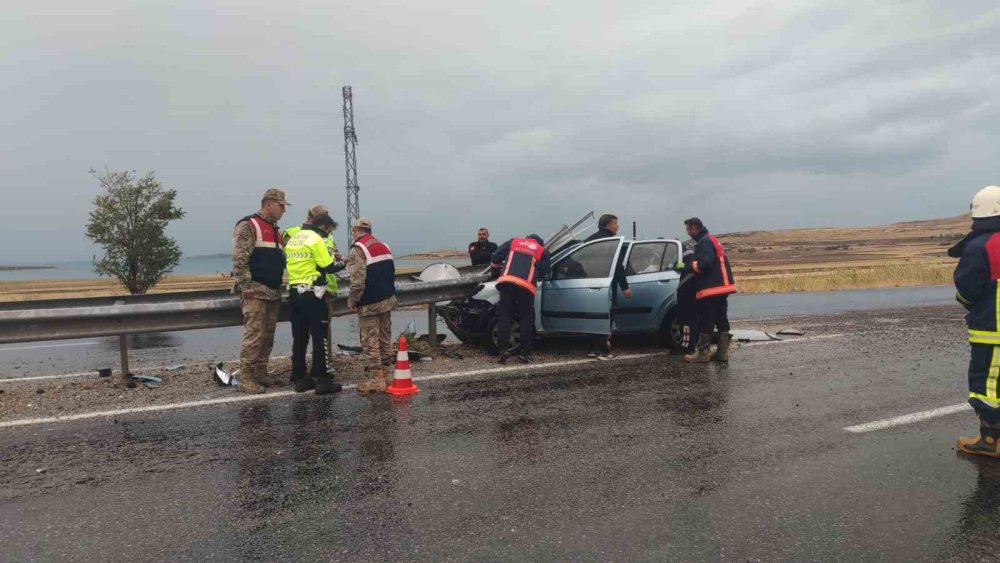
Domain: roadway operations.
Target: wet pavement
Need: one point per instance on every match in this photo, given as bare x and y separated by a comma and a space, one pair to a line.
647, 459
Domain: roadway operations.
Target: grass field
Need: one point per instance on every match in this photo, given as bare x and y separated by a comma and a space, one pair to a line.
897, 255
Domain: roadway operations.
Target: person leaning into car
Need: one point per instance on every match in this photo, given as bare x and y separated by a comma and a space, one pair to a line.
518, 264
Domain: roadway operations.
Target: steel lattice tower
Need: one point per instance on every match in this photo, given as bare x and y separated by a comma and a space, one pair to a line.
350, 161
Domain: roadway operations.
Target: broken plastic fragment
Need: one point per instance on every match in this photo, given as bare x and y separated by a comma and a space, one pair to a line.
791, 332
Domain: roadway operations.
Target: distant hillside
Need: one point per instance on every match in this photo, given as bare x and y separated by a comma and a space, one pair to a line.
798, 249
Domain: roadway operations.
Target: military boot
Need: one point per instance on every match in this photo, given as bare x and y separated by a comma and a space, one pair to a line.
303, 383
703, 350
722, 353
374, 385
326, 385
986, 443
249, 383
268, 380
389, 373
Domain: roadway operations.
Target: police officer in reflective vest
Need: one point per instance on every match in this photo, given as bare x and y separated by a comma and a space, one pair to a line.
714, 282
519, 263
258, 265
309, 267
976, 281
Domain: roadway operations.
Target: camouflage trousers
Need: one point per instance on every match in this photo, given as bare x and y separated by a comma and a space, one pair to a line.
376, 339
260, 317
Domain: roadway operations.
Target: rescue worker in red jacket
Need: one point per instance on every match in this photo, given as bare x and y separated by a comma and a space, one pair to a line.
714, 282
976, 281
519, 263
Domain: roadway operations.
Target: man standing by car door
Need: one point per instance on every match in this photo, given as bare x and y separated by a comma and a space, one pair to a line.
522, 261
607, 227
714, 282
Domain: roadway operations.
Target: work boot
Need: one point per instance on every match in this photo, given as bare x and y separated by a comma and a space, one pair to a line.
525, 357
986, 443
703, 350
722, 353
326, 385
374, 385
303, 383
249, 383
506, 354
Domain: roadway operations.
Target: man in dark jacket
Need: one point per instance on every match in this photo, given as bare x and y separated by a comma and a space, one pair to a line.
607, 227
481, 251
518, 264
714, 282
976, 282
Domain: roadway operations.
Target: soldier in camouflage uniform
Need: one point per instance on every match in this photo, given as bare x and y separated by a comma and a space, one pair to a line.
258, 266
373, 296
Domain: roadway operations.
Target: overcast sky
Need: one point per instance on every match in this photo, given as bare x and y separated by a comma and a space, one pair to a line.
518, 116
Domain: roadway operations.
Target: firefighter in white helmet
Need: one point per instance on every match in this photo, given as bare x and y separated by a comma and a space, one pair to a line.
976, 281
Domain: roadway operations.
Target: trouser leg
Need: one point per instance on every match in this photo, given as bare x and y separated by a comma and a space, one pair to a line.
368, 329
984, 371
300, 333
526, 316
317, 324
722, 313
505, 310
706, 316
270, 322
253, 314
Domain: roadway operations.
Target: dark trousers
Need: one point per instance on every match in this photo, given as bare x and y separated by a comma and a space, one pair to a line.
713, 312
516, 298
310, 318
985, 361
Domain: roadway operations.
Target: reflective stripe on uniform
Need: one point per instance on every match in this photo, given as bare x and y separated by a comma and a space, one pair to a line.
984, 337
990, 402
961, 299
991, 380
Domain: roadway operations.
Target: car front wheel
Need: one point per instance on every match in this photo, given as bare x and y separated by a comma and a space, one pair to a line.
491, 336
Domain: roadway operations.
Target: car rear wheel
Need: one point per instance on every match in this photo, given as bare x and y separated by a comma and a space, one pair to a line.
671, 331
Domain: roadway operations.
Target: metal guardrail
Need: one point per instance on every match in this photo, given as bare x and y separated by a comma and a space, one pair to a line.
33, 324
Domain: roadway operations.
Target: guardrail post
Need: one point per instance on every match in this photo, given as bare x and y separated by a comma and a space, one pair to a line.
123, 348
432, 325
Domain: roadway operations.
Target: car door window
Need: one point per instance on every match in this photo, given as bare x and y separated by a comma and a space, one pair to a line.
671, 256
646, 258
591, 261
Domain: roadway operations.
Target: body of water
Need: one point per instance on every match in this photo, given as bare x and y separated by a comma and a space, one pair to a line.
186, 267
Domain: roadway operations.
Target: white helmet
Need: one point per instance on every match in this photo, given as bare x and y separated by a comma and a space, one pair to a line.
986, 203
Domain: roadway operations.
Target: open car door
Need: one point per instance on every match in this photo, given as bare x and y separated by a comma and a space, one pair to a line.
576, 297
649, 268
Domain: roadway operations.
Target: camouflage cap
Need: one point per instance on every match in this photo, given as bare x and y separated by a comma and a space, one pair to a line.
363, 222
276, 195
318, 209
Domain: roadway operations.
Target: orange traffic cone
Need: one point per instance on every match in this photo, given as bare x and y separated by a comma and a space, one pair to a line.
402, 381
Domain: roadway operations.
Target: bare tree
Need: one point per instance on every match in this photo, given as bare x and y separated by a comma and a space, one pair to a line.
129, 221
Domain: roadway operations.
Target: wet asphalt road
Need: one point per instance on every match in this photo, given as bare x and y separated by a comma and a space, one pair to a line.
644, 459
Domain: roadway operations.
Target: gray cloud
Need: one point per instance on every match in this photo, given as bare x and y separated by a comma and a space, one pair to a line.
518, 116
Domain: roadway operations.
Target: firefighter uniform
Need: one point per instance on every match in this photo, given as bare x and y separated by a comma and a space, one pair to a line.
976, 283
521, 260
713, 278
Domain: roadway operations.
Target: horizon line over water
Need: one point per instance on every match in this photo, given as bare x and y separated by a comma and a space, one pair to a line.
194, 266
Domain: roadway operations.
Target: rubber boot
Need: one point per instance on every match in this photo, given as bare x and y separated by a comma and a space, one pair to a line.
325, 385
722, 353
987, 443
374, 385
303, 383
249, 383
703, 350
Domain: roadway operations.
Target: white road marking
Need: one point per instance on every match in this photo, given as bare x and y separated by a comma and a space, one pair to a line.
37, 346
908, 418
281, 394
